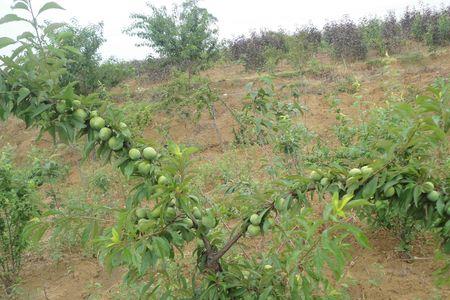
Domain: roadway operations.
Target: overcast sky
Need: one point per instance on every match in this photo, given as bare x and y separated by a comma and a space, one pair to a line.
235, 17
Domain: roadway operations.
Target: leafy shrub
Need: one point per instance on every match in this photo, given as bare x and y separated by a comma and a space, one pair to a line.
153, 69
290, 137
438, 32
350, 84
418, 27
384, 36
261, 114
46, 171
406, 168
372, 30
407, 22
46, 168
346, 40
139, 114
180, 91
391, 33
431, 26
190, 97
251, 50
18, 205
112, 72
187, 37
302, 45
312, 35
272, 57
85, 59
443, 28
78, 221
318, 69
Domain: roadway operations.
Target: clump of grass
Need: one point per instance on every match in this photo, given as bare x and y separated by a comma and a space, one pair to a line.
411, 58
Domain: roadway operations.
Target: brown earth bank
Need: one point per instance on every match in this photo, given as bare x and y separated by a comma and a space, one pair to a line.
376, 273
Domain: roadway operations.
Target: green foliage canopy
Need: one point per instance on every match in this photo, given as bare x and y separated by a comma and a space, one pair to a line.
83, 66
17, 207
187, 36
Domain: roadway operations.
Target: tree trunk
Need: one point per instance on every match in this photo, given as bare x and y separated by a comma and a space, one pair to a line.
212, 112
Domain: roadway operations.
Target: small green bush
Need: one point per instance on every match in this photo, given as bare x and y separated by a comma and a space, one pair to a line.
18, 204
431, 26
112, 72
372, 34
345, 39
302, 45
391, 34
84, 61
153, 69
254, 51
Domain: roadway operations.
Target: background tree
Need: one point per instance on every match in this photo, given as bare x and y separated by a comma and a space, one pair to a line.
186, 37
83, 66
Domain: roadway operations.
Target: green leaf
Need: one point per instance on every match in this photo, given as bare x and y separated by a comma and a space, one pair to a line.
40, 109
115, 235
72, 49
370, 188
189, 151
50, 5
23, 93
86, 233
146, 262
18, 51
440, 205
11, 18
20, 5
446, 246
173, 148
265, 294
6, 41
52, 27
356, 232
389, 184
357, 203
327, 211
446, 229
128, 169
335, 200
35, 231
416, 194
345, 200
64, 35
162, 246
88, 148
26, 35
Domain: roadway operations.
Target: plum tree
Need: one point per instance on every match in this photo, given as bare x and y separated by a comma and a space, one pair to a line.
163, 182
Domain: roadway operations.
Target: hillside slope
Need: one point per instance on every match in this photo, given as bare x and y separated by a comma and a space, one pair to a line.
376, 273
